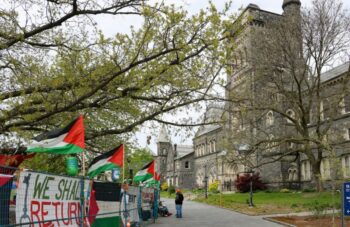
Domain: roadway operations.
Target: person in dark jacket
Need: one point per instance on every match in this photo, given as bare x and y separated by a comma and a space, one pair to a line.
179, 198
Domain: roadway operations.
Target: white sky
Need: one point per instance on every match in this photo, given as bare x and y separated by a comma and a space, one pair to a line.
110, 25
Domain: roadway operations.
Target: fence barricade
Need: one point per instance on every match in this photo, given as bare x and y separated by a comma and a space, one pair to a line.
108, 198
30, 198
6, 185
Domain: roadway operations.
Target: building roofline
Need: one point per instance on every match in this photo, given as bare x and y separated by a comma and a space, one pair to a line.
192, 152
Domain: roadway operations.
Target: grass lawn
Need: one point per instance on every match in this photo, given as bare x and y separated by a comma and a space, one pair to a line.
165, 194
275, 202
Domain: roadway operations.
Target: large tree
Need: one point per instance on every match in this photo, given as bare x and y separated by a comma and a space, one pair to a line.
287, 108
56, 64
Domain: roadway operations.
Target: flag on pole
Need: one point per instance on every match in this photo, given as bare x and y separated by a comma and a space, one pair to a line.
154, 181
67, 140
145, 173
93, 208
107, 161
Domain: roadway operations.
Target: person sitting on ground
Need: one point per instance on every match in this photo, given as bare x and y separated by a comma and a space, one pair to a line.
163, 210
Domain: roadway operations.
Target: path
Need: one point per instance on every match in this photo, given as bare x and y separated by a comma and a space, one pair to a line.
202, 215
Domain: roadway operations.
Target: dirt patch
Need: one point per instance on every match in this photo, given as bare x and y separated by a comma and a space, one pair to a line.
311, 221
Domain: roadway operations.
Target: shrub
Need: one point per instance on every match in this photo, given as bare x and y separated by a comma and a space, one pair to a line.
171, 190
284, 190
294, 205
317, 208
309, 190
242, 182
197, 191
164, 186
213, 187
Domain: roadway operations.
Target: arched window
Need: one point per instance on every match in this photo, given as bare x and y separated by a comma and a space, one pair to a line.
269, 118
291, 114
325, 168
240, 59
306, 170
163, 151
272, 145
346, 166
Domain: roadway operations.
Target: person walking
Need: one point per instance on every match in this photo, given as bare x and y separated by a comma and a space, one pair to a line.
179, 198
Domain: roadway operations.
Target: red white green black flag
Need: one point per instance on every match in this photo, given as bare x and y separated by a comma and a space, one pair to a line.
67, 140
107, 161
147, 172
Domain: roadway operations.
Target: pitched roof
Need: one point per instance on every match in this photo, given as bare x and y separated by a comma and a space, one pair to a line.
163, 135
183, 150
335, 72
213, 114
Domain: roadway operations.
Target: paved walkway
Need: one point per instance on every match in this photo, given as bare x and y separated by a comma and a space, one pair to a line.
202, 215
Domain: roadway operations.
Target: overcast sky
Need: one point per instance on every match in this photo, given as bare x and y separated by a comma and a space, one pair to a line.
111, 25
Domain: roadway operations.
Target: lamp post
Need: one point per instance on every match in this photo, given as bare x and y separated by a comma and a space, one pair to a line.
251, 189
243, 149
206, 181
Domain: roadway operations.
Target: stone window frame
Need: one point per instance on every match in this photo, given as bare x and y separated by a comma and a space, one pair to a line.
290, 145
325, 168
306, 170
346, 165
188, 165
321, 111
270, 118
272, 146
346, 103
214, 146
291, 114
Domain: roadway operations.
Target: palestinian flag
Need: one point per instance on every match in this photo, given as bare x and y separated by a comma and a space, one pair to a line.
5, 195
107, 161
107, 198
154, 181
68, 140
145, 173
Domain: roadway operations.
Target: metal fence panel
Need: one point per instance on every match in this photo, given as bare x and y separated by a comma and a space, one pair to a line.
44, 199
5, 198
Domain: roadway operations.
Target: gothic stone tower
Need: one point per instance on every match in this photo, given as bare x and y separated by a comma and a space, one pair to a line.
163, 149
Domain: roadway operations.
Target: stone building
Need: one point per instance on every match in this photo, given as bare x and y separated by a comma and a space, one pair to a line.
280, 162
218, 149
174, 162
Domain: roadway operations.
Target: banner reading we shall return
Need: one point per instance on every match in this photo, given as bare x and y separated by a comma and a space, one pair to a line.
49, 200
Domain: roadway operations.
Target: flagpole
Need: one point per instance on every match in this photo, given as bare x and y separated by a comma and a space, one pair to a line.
83, 163
123, 163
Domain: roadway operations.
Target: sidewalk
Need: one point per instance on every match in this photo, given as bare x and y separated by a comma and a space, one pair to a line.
202, 215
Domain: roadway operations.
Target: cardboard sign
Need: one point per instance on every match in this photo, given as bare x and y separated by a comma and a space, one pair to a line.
49, 200
129, 205
147, 198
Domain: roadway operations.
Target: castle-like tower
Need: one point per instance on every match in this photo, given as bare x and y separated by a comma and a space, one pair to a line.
164, 147
291, 7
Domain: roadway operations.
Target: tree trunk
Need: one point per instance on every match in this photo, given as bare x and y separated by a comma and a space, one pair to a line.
317, 178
